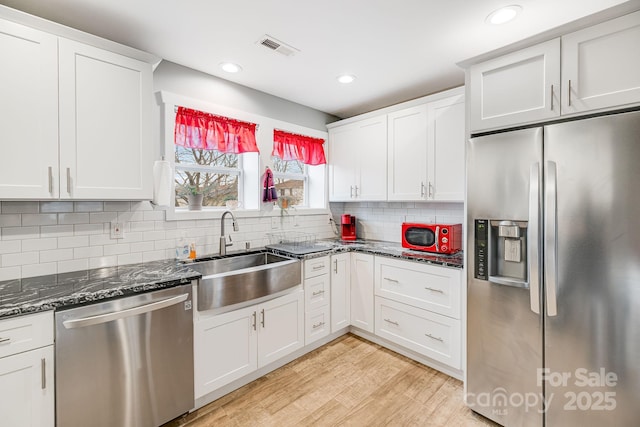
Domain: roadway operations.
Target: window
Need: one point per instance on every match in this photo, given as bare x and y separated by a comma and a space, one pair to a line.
215, 175
291, 179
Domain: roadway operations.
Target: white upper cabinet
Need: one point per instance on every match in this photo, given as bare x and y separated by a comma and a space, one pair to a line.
593, 69
28, 113
105, 124
426, 150
446, 149
358, 161
601, 65
408, 154
519, 87
75, 119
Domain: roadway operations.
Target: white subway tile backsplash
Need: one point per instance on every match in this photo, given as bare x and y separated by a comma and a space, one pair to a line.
73, 242
39, 219
117, 249
56, 255
131, 258
88, 206
117, 206
56, 207
20, 233
154, 256
90, 252
22, 258
141, 226
142, 247
73, 218
153, 215
10, 246
39, 244
10, 273
10, 220
103, 261
20, 207
153, 235
88, 229
42, 269
74, 265
102, 217
56, 231
101, 239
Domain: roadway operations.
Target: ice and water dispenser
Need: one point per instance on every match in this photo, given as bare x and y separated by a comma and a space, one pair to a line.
501, 251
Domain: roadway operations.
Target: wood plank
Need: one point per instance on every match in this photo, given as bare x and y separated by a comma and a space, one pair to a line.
348, 382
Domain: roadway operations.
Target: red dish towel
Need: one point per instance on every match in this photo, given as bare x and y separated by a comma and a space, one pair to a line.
269, 193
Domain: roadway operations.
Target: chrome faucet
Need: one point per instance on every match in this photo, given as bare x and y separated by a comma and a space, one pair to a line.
223, 239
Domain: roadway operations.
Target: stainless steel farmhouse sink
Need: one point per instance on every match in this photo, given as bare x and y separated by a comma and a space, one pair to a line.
243, 277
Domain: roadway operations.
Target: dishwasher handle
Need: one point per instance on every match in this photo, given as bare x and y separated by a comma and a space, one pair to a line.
121, 314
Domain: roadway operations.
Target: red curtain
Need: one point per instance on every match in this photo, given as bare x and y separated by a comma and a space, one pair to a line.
290, 146
205, 131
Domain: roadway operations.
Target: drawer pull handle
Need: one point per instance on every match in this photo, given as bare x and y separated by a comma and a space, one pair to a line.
391, 280
317, 293
440, 291
317, 325
393, 322
335, 266
43, 369
434, 338
3, 340
262, 321
318, 267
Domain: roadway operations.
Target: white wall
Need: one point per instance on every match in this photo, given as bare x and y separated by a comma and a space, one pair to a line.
383, 220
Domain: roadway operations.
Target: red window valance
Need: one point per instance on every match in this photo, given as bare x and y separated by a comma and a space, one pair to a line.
205, 131
291, 146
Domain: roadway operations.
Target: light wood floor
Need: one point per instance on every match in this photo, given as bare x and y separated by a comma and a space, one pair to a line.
348, 382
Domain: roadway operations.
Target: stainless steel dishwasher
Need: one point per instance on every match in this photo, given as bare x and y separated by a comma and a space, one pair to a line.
126, 362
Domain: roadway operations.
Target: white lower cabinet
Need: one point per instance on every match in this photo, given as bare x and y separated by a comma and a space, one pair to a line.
362, 291
340, 291
317, 299
418, 306
422, 331
231, 345
26, 371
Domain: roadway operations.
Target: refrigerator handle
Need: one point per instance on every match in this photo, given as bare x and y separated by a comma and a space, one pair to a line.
533, 238
550, 239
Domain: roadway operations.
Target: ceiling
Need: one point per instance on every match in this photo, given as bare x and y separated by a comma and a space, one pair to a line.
399, 50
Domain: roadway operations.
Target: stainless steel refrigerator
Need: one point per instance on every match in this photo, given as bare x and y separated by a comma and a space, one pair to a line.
553, 244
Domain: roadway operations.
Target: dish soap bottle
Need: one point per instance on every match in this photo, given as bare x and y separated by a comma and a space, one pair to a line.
182, 248
192, 250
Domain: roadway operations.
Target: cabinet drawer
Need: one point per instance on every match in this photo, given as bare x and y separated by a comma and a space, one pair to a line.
317, 324
429, 334
428, 287
26, 333
316, 267
317, 292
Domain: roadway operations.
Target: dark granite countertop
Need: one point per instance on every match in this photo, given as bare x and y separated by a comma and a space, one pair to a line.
35, 294
388, 249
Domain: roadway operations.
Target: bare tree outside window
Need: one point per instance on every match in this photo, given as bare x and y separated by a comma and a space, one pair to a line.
211, 173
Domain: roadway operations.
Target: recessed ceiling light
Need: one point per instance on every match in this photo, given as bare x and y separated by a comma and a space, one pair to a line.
230, 67
346, 78
504, 14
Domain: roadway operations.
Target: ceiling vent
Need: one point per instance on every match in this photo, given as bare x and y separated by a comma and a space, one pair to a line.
277, 46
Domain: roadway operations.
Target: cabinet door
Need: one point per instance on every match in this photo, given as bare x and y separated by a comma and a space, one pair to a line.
28, 113
343, 152
446, 149
105, 124
317, 324
340, 291
600, 65
517, 88
27, 389
225, 349
372, 157
407, 154
362, 291
281, 327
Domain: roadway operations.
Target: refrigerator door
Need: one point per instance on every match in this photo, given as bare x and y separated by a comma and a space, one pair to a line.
592, 345
504, 333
